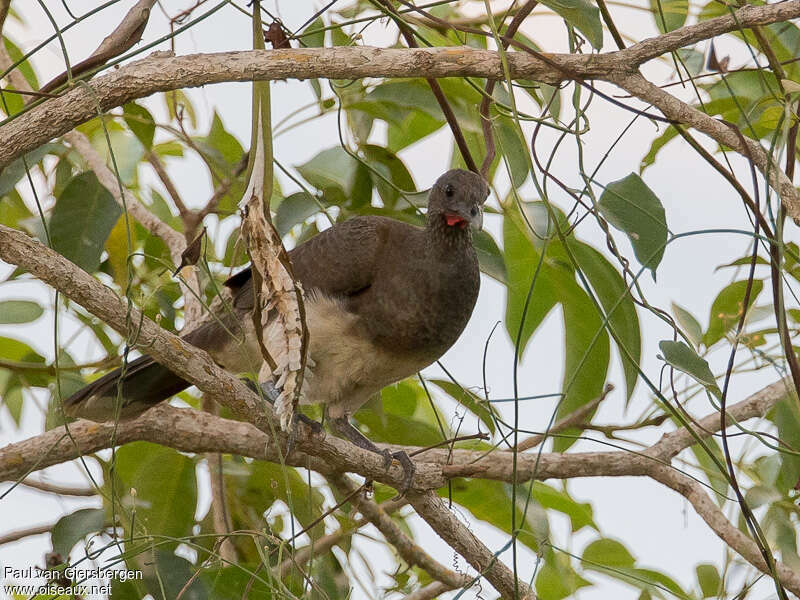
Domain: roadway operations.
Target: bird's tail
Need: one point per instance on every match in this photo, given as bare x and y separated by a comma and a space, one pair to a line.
145, 383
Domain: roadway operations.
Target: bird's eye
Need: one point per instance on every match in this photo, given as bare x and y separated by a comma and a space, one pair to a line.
449, 191
474, 211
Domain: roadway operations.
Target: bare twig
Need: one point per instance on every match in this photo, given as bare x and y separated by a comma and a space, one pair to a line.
188, 216
445, 523
429, 592
409, 36
575, 418
23, 533
61, 490
56, 116
193, 431
405, 546
123, 38
220, 515
325, 543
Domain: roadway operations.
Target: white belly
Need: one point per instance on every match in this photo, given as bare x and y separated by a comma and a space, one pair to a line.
344, 368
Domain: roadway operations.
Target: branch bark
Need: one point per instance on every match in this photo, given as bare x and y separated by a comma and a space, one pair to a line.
192, 431
157, 73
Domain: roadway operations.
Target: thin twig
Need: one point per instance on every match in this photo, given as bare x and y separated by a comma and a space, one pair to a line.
573, 419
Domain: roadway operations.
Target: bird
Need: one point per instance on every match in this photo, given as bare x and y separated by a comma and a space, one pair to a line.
383, 300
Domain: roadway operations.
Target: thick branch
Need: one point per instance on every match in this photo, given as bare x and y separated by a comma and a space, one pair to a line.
193, 431
445, 523
174, 240
725, 134
159, 73
405, 546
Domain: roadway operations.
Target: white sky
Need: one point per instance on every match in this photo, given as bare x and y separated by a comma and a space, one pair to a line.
658, 526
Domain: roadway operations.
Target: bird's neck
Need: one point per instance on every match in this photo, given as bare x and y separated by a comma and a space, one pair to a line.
442, 237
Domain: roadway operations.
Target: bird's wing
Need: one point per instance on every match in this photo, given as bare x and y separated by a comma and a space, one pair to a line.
339, 262
342, 261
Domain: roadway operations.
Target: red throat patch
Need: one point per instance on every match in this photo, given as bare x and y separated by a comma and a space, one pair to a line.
455, 221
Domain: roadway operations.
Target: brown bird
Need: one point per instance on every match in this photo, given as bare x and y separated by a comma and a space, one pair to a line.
383, 300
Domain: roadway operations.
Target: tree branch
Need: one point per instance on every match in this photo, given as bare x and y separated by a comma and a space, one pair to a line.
159, 73
192, 431
61, 490
405, 546
445, 523
724, 133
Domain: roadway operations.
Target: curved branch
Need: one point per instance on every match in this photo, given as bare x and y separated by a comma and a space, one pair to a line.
162, 72
192, 431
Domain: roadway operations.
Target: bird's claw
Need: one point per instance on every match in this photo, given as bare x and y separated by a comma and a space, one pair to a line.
409, 468
314, 426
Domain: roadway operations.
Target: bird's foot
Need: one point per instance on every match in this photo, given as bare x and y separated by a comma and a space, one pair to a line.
297, 418
314, 426
409, 468
342, 426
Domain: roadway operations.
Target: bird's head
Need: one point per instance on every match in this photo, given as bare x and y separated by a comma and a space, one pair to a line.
456, 200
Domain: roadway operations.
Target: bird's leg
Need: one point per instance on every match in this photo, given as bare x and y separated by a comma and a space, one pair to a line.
270, 393
344, 428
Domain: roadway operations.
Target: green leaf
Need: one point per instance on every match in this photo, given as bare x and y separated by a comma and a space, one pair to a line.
331, 168
169, 148
490, 501
141, 123
580, 513
669, 14
692, 60
726, 310
608, 553
388, 164
468, 400
10, 175
511, 145
557, 579
16, 350
669, 134
586, 341
786, 417
266, 482
166, 490
294, 210
128, 152
588, 354
170, 574
82, 220
401, 413
19, 311
716, 478
24, 67
618, 304
583, 15
313, 36
709, 580
13, 210
72, 528
224, 143
688, 324
633, 208
521, 258
490, 257
177, 101
685, 359
12, 399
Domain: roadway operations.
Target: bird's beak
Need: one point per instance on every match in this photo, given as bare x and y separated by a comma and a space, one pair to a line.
476, 222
